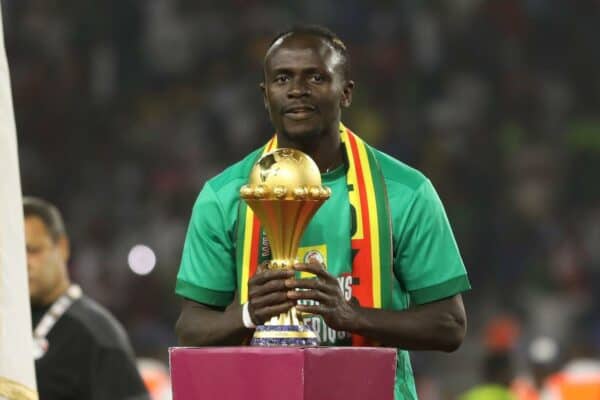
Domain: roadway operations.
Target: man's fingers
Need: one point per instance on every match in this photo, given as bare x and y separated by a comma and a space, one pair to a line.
309, 295
270, 274
263, 266
262, 315
317, 269
314, 284
312, 309
275, 285
268, 300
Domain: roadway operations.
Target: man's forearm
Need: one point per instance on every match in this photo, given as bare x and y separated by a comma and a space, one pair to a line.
200, 325
428, 327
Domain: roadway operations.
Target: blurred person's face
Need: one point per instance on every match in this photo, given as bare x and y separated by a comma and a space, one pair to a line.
46, 262
535, 183
305, 88
533, 198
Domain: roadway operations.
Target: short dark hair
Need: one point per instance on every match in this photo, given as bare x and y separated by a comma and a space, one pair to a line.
48, 213
323, 33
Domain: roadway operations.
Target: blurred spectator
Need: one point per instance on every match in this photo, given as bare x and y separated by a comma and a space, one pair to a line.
156, 378
497, 374
579, 379
542, 360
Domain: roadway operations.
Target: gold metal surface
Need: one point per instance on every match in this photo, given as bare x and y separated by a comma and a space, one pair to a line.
284, 190
285, 335
13, 390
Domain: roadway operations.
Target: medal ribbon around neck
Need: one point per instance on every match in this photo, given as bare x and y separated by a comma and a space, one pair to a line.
51, 317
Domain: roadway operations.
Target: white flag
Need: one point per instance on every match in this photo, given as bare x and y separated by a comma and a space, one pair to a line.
17, 374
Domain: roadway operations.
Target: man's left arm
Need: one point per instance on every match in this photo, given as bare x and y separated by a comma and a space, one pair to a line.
427, 263
439, 325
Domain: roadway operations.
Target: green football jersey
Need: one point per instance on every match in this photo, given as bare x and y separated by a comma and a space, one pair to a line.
427, 263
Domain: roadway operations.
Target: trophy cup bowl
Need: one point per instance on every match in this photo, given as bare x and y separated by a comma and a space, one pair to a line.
284, 190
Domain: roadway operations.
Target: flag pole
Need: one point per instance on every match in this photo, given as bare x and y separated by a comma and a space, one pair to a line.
17, 374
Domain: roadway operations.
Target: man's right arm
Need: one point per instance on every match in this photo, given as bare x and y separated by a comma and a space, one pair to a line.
205, 325
206, 278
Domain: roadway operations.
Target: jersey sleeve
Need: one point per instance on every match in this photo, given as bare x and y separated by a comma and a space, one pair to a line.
426, 257
207, 271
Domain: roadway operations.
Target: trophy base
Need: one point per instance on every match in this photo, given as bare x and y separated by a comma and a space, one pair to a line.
284, 335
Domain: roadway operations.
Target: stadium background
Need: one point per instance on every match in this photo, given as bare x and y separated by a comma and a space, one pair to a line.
125, 107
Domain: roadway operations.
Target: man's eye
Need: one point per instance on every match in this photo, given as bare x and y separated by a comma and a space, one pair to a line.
281, 78
317, 78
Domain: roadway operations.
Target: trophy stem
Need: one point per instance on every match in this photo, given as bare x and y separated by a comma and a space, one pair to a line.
284, 191
290, 317
286, 329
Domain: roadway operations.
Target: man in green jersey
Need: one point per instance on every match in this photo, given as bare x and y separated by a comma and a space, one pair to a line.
306, 85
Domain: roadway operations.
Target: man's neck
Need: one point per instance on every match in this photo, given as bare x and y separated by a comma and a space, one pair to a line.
324, 150
55, 294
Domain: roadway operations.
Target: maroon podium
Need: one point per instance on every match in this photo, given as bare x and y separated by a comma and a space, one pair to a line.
258, 373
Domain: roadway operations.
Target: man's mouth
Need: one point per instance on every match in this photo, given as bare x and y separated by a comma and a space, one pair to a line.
299, 112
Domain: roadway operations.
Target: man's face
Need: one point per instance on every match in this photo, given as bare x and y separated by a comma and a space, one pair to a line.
46, 260
304, 87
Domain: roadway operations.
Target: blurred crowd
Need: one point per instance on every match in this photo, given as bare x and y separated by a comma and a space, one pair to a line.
125, 107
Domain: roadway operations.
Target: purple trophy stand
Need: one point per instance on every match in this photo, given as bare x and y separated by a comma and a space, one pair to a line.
259, 373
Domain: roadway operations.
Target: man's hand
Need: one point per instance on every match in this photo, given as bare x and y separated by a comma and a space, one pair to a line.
267, 293
337, 313
439, 325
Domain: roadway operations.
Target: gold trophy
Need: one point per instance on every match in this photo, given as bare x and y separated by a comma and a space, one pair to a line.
284, 190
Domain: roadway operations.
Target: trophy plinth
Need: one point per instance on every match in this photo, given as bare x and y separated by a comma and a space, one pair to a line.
284, 190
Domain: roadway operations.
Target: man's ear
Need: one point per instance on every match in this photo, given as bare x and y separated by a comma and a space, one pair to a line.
264, 93
346, 99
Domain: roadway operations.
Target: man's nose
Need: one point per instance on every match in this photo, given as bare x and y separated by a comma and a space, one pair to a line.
298, 88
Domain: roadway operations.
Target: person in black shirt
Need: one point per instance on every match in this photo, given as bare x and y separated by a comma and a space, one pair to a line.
81, 351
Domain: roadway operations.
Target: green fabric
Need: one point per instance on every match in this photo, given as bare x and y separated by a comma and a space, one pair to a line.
432, 293
208, 259
371, 172
213, 297
426, 262
425, 251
